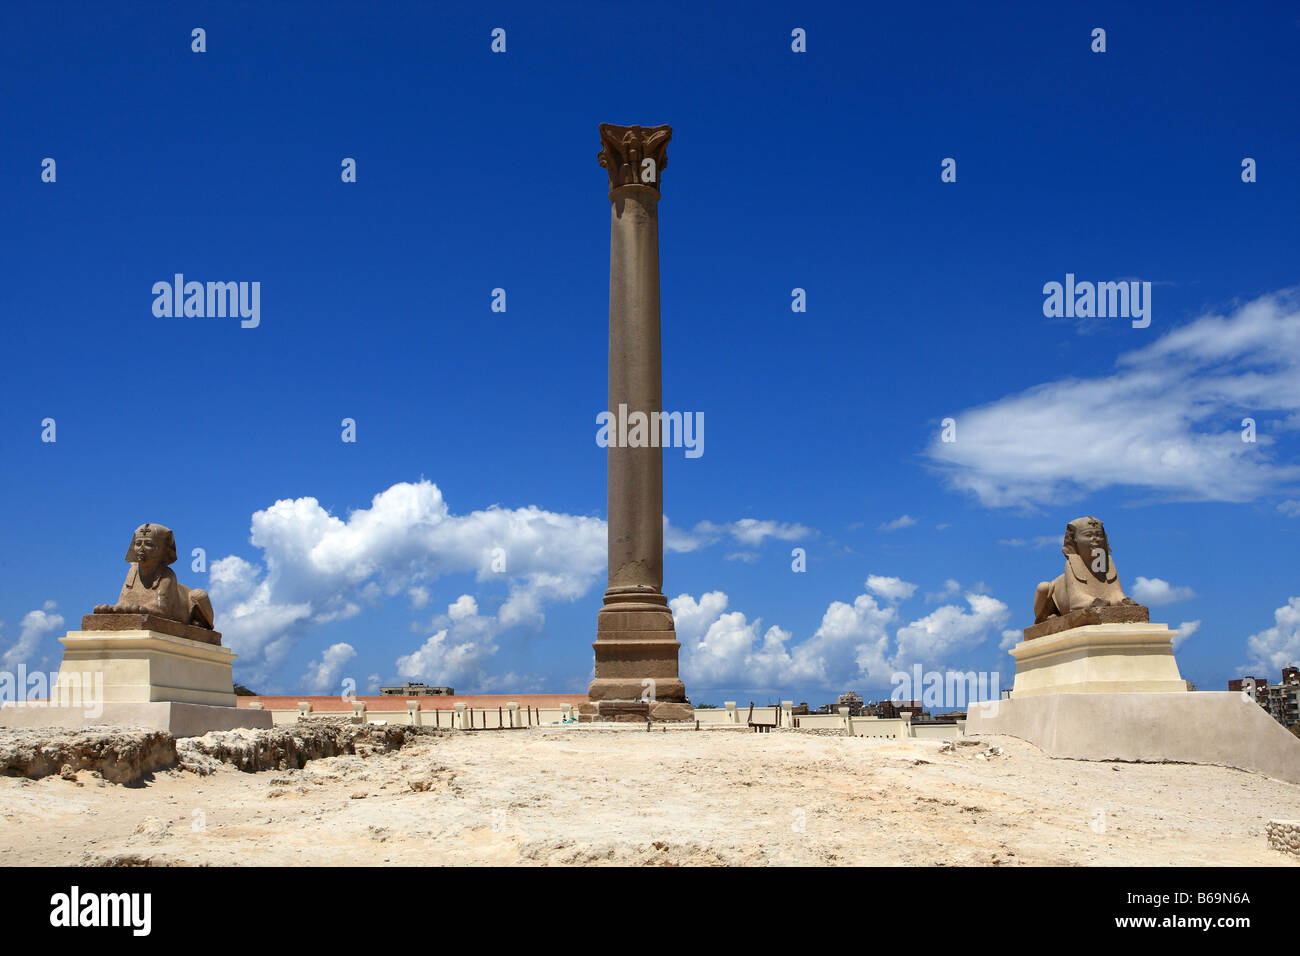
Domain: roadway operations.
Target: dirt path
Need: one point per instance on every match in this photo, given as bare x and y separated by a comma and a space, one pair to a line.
581, 796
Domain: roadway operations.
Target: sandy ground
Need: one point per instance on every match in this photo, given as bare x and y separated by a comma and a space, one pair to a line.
592, 796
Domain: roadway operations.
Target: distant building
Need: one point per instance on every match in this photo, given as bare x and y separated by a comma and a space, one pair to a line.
891, 708
417, 690
852, 701
1282, 700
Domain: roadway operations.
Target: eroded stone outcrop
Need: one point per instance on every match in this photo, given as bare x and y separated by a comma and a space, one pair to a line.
289, 747
118, 754
124, 755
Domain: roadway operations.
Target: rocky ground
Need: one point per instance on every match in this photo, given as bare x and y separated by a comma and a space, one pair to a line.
587, 795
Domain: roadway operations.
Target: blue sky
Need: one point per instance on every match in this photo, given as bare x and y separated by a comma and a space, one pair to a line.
475, 429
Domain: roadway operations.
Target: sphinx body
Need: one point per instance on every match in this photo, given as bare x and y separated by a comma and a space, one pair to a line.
151, 586
1090, 578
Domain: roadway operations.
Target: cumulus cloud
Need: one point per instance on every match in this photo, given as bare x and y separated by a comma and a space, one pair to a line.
35, 627
1279, 645
317, 567
950, 629
1167, 419
323, 675
1154, 592
459, 651
891, 589
852, 643
1186, 630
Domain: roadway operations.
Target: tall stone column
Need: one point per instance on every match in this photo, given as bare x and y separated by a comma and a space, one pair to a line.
636, 645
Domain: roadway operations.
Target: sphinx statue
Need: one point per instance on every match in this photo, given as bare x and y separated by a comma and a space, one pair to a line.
151, 586
1090, 579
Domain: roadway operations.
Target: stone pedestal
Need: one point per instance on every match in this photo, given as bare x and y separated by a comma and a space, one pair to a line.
636, 647
139, 666
1223, 728
141, 678
1132, 658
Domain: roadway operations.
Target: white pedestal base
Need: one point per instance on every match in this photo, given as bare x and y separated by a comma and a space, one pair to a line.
139, 679
177, 719
143, 666
1099, 659
1224, 728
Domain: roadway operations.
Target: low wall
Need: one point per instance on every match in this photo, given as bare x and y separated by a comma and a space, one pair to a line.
1222, 728
491, 718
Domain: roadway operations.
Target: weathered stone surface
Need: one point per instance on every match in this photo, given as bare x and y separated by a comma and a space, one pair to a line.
125, 755
623, 710
635, 639
668, 712
119, 755
289, 747
1284, 836
151, 587
149, 622
1118, 614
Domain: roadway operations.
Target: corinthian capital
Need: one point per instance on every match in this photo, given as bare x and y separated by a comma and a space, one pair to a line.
634, 154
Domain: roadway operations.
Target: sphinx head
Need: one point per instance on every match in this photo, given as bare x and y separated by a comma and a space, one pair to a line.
152, 545
1084, 536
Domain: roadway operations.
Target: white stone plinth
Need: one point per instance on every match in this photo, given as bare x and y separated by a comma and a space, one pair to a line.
176, 718
139, 679
1225, 728
144, 666
1099, 659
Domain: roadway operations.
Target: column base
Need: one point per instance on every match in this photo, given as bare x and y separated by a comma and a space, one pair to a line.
636, 650
635, 711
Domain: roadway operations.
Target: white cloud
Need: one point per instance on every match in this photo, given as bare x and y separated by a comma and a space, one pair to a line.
1154, 592
461, 648
1290, 508
1038, 542
36, 626
902, 521
748, 532
317, 567
1279, 645
951, 588
852, 643
1010, 638
323, 675
891, 589
463, 608
949, 629
1167, 419
1186, 630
